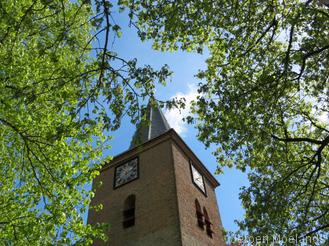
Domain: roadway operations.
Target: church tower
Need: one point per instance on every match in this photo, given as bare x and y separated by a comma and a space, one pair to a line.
158, 192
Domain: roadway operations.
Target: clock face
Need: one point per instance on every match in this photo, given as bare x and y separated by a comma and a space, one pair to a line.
198, 179
126, 172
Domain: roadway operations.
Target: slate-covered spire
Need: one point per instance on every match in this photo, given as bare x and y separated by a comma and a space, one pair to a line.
156, 126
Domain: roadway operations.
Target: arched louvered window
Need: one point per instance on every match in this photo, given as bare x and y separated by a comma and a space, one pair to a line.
129, 211
199, 214
207, 222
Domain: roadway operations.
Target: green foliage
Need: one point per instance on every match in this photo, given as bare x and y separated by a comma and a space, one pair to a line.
263, 99
59, 93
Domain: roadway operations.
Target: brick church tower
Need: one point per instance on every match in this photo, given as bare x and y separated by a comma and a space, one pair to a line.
158, 192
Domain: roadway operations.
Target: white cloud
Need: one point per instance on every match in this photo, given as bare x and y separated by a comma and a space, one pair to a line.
175, 116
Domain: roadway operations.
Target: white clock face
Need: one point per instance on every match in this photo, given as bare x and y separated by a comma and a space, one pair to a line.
198, 179
126, 172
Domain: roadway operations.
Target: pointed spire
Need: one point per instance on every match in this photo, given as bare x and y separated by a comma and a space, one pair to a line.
156, 125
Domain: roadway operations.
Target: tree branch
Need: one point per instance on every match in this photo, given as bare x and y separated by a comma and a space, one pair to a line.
309, 140
315, 231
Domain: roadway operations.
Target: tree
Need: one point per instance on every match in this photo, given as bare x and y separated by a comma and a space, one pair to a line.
59, 92
263, 99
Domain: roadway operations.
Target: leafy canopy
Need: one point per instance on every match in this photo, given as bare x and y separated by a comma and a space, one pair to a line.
263, 102
61, 89
263, 99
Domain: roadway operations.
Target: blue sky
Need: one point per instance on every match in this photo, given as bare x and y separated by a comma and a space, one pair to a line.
182, 83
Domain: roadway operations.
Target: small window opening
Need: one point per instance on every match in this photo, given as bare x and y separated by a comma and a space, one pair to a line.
207, 222
129, 211
199, 214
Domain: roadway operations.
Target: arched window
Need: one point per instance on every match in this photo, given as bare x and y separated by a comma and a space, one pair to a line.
199, 214
129, 211
207, 222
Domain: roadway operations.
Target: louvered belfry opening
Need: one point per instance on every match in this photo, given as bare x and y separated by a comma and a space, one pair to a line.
207, 222
129, 211
199, 214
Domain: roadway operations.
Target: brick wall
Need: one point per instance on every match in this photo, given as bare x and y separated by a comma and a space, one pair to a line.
192, 234
156, 213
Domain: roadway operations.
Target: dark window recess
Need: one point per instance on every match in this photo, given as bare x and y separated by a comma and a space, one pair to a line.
128, 223
199, 214
200, 224
129, 212
208, 228
208, 223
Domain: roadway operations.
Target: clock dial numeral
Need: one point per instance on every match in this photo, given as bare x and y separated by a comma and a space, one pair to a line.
126, 172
